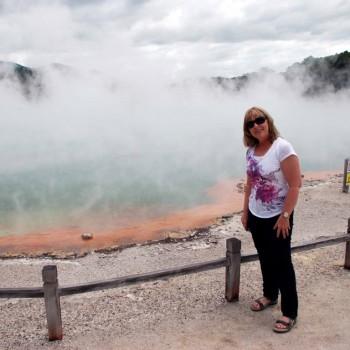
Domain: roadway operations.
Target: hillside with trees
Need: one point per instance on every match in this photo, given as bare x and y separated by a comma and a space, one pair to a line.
315, 76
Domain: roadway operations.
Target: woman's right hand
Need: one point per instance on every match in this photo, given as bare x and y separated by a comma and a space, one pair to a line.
244, 220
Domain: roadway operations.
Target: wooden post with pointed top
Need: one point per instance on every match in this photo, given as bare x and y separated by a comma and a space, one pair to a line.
52, 302
347, 250
233, 268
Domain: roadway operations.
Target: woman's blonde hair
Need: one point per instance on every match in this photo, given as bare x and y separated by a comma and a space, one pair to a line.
248, 139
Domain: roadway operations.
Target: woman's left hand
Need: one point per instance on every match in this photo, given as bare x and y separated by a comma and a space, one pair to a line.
282, 226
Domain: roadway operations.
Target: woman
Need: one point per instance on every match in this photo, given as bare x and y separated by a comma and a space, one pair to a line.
271, 193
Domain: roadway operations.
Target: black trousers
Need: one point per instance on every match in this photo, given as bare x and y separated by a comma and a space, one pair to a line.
276, 262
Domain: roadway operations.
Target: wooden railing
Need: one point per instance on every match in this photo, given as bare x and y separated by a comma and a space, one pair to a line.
52, 292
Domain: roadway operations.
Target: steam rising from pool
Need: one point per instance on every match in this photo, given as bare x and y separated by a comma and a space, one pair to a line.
98, 146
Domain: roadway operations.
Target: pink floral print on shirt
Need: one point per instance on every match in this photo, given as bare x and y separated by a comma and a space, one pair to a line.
265, 189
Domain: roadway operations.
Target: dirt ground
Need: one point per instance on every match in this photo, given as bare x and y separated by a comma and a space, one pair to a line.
323, 323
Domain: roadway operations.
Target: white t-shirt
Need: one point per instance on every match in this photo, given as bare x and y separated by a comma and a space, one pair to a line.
269, 186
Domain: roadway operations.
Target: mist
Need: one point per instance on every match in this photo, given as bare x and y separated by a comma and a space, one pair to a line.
93, 145
119, 130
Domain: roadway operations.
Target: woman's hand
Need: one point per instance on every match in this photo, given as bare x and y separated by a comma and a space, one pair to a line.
244, 220
291, 170
282, 226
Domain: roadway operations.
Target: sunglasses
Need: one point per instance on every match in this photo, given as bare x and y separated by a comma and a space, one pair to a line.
258, 120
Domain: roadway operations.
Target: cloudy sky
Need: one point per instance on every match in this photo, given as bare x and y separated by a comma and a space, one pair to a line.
207, 37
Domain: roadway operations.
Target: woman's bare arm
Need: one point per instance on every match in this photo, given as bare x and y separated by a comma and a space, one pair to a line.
247, 189
291, 170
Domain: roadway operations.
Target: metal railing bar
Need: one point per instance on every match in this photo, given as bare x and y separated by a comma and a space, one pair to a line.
126, 280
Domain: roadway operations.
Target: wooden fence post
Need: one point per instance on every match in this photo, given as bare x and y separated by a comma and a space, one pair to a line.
347, 250
52, 302
233, 268
346, 174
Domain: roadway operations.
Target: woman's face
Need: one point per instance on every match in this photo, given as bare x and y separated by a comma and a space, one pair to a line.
260, 129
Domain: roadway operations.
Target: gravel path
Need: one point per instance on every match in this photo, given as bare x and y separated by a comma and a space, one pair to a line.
190, 312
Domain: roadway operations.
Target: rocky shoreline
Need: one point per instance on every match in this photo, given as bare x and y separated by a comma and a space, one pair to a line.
190, 312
